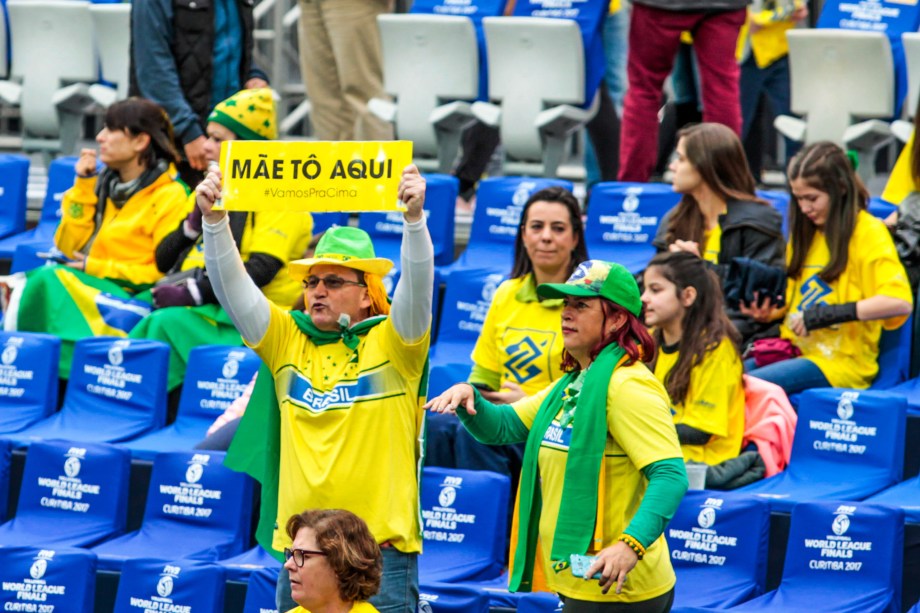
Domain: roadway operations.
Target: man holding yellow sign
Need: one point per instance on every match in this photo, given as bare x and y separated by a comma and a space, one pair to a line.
312, 176
350, 376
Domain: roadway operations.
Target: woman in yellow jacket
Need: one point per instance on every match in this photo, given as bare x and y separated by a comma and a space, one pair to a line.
112, 222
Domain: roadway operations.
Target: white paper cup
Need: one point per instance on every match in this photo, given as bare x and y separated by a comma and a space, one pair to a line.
696, 474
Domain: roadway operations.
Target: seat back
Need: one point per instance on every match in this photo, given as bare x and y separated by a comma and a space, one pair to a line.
450, 598
183, 585
534, 62
911, 42
28, 378
216, 376
385, 229
52, 46
464, 523
73, 494
719, 538
193, 492
625, 215
839, 75
65, 579
466, 301
444, 56
894, 356
112, 33
116, 391
260, 591
14, 179
857, 433
6, 458
324, 221
847, 556
499, 202
780, 201
61, 176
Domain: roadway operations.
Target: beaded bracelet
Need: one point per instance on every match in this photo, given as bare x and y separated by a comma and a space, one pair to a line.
633, 544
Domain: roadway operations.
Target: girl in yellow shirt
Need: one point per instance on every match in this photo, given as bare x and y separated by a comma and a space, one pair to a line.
697, 359
846, 282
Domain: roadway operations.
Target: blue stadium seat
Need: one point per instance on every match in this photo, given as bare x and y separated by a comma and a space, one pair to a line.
216, 376
539, 603
622, 221
196, 508
61, 175
915, 608
881, 209
499, 201
719, 539
73, 495
385, 229
780, 201
466, 302
844, 557
25, 256
905, 495
448, 598
116, 391
894, 357
260, 591
183, 585
324, 221
14, 178
464, 517
28, 378
6, 455
848, 445
58, 579
240, 567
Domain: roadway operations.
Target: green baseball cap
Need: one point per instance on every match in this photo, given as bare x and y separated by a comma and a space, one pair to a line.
343, 246
598, 279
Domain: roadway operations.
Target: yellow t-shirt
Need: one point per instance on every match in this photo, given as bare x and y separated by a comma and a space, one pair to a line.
900, 181
639, 432
350, 431
713, 245
359, 607
847, 354
521, 337
284, 236
714, 402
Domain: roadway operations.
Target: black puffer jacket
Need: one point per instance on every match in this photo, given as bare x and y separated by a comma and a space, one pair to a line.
749, 230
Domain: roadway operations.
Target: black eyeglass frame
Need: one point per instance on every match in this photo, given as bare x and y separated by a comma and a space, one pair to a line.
304, 555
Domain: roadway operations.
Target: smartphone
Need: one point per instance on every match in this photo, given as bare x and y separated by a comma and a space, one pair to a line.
58, 257
580, 565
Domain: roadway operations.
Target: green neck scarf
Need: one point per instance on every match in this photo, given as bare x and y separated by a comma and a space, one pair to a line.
348, 335
578, 507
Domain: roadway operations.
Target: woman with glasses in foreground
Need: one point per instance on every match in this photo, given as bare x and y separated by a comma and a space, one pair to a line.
334, 563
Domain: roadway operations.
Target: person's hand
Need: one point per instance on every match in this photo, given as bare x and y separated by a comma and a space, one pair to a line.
78, 261
255, 83
759, 310
172, 295
195, 153
799, 14
412, 192
510, 392
688, 246
86, 164
207, 193
614, 564
797, 324
193, 223
453, 397
892, 220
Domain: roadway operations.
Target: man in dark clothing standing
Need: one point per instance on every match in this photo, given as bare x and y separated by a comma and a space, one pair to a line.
187, 56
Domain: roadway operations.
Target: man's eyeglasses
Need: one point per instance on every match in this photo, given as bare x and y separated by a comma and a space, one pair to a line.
300, 555
332, 282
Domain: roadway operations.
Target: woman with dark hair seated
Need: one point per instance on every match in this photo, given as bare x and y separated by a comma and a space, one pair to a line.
334, 562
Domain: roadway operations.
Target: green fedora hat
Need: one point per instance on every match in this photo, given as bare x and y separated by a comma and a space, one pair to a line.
598, 279
342, 246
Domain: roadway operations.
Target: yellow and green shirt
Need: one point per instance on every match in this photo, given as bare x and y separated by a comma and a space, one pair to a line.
639, 432
124, 247
847, 354
521, 339
350, 431
358, 607
714, 402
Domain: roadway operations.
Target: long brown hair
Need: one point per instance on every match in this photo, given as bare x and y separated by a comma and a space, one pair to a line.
825, 167
555, 195
704, 323
632, 336
717, 154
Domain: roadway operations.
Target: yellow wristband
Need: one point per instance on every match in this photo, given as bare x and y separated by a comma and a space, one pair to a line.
633, 544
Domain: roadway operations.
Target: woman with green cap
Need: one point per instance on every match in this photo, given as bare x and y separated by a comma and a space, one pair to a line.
603, 471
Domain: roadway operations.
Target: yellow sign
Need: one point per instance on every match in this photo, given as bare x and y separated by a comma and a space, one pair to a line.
313, 176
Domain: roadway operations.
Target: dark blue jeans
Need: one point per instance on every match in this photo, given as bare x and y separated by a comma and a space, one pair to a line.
398, 586
794, 376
